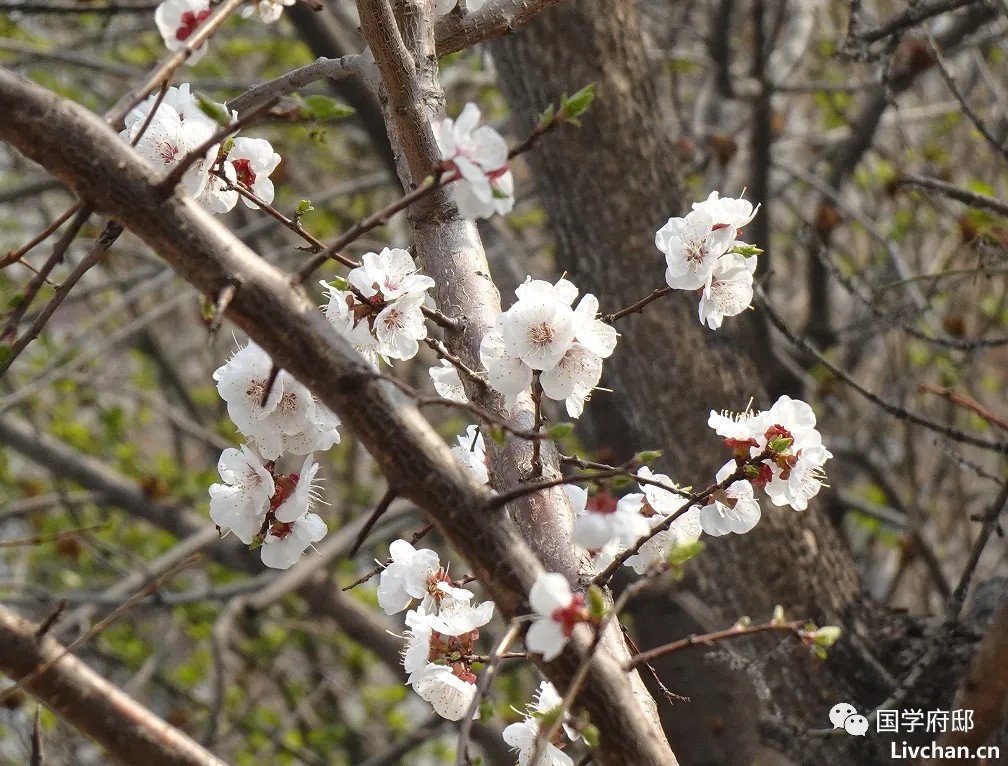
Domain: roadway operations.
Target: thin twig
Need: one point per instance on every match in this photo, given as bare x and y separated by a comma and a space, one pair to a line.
100, 248
99, 626
537, 394
417, 536
15, 256
37, 754
638, 306
961, 400
33, 287
794, 626
893, 409
440, 177
482, 688
967, 197
376, 514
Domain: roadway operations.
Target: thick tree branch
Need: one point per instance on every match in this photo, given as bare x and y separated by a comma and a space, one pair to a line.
125, 728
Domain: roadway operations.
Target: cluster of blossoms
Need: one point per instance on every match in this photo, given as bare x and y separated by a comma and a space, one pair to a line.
541, 333
442, 629
380, 311
606, 526
178, 128
479, 156
777, 450
702, 252
521, 736
791, 469
265, 508
178, 20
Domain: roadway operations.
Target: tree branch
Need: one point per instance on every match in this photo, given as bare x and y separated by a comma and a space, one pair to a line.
125, 728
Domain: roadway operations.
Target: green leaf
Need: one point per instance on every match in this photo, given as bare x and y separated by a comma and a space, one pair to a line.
620, 482
573, 107
647, 456
546, 118
560, 430
591, 736
216, 112
747, 251
683, 553
596, 602
304, 206
323, 108
827, 635
339, 283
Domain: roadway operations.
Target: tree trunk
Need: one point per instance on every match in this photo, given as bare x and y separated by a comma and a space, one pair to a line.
607, 188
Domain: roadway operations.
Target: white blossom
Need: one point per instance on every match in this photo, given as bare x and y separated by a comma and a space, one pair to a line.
418, 637
400, 326
506, 373
339, 311
471, 452
291, 420
557, 611
663, 503
736, 512
449, 695
407, 577
268, 11
572, 379
590, 331
456, 617
521, 736
793, 475
177, 128
252, 160
217, 195
177, 20
479, 154
692, 246
727, 211
538, 329
285, 542
389, 321
596, 529
241, 502
299, 501
730, 291
447, 382
392, 273
739, 427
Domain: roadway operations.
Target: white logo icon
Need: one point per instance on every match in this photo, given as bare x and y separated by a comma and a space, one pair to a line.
856, 725
845, 716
